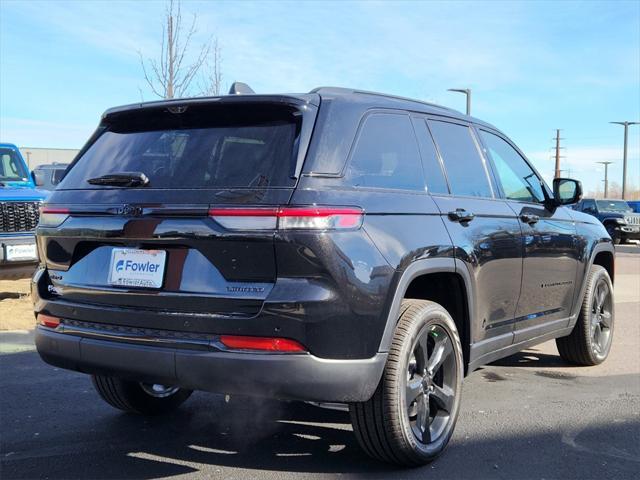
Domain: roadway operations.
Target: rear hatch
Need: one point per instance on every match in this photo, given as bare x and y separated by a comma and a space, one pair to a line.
158, 244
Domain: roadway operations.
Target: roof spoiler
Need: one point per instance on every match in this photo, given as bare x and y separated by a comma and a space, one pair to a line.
240, 88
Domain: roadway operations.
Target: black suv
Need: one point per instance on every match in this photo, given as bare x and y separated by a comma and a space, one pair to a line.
617, 216
336, 246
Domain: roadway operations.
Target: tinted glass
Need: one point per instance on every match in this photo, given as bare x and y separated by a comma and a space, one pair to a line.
386, 154
588, 206
209, 149
462, 161
436, 182
518, 180
11, 167
56, 175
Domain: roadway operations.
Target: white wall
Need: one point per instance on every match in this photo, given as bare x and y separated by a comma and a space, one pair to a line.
39, 156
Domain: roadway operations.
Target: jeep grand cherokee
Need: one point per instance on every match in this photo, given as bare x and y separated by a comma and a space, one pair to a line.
336, 246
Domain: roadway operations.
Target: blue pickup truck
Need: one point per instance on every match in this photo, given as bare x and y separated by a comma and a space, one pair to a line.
19, 212
635, 205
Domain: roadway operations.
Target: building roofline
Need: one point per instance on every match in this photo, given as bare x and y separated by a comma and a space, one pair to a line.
47, 148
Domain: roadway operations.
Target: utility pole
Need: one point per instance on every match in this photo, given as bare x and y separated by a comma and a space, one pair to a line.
557, 172
467, 92
606, 178
624, 154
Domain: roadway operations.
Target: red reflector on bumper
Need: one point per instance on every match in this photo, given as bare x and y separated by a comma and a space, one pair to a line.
268, 344
48, 320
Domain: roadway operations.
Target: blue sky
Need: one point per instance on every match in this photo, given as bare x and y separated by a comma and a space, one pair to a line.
533, 66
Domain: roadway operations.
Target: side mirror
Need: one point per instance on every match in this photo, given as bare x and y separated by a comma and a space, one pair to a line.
566, 191
38, 178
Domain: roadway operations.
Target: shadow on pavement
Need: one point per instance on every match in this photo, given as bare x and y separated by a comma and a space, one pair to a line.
278, 437
534, 359
55, 426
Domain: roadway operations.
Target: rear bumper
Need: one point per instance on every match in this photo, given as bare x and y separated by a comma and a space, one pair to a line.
283, 376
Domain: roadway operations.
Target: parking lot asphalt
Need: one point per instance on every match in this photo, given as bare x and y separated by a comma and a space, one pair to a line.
628, 248
527, 416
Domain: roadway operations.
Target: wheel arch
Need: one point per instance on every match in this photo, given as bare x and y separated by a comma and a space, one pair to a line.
603, 254
605, 258
606, 220
442, 280
610, 222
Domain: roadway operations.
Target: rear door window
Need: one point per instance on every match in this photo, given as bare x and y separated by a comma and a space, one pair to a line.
386, 154
464, 166
518, 180
242, 147
434, 176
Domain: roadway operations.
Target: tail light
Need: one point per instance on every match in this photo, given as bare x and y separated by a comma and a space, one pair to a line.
266, 344
289, 218
52, 216
48, 320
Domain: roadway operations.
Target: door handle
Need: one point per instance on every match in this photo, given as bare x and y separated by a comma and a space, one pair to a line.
530, 219
461, 215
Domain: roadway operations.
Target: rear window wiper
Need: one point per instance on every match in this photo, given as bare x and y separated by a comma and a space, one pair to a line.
121, 179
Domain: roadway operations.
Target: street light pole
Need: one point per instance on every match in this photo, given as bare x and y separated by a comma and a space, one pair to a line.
467, 92
606, 178
624, 154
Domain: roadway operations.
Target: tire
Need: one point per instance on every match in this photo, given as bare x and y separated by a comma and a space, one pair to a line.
135, 397
612, 233
590, 340
387, 426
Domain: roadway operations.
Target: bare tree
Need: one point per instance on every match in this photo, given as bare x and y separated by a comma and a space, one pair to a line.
615, 190
213, 70
169, 76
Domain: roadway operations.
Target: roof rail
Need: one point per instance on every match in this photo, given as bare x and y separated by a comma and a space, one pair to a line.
347, 91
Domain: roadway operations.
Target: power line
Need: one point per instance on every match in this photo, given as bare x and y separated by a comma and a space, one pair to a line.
557, 156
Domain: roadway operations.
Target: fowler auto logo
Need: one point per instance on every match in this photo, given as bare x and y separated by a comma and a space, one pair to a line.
130, 265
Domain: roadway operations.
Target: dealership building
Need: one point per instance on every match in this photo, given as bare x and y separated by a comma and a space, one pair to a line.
41, 156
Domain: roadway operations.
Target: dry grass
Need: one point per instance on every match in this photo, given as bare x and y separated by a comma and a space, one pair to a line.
16, 310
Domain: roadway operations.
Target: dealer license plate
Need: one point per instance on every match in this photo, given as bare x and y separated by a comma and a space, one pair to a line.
21, 252
137, 268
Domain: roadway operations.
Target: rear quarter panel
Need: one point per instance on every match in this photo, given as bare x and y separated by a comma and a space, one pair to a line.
362, 267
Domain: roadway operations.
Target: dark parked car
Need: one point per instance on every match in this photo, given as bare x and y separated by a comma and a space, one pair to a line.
617, 216
48, 176
336, 246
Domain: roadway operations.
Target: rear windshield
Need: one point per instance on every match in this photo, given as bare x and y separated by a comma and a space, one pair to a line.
220, 147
